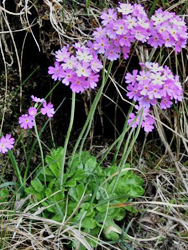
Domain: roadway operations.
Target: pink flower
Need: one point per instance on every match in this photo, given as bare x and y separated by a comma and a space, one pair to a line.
56, 71
6, 143
99, 32
101, 44
32, 111
84, 55
143, 77
83, 69
70, 63
96, 65
125, 51
68, 75
126, 40
36, 99
147, 125
26, 121
125, 9
146, 102
121, 27
133, 120
78, 85
131, 78
133, 93
108, 17
112, 53
62, 54
166, 103
155, 40
131, 21
48, 109
92, 81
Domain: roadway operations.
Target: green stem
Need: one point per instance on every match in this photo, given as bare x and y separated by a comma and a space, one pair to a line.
41, 151
119, 139
127, 149
89, 119
67, 138
15, 166
122, 137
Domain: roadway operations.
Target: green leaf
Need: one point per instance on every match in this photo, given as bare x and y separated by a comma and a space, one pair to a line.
88, 208
57, 218
54, 161
52, 165
101, 208
79, 190
72, 193
37, 185
111, 230
129, 185
52, 183
78, 175
71, 207
31, 190
59, 196
90, 164
120, 215
48, 192
70, 183
4, 193
88, 223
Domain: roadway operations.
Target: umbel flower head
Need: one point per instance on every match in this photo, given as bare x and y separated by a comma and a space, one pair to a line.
129, 23
26, 121
152, 85
78, 68
120, 28
167, 29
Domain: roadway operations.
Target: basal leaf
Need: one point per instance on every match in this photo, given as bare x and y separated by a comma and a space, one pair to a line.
4, 193
90, 164
78, 175
88, 223
111, 230
37, 185
80, 190
70, 183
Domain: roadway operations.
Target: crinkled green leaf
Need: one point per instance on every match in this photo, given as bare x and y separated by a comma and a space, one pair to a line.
90, 164
37, 185
31, 190
78, 162
51, 184
72, 193
88, 223
88, 208
59, 196
111, 230
120, 214
80, 190
70, 183
48, 191
78, 175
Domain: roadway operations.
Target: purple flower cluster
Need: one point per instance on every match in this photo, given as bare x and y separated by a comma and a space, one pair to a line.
27, 120
152, 85
129, 23
119, 29
79, 68
147, 122
6, 143
167, 29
